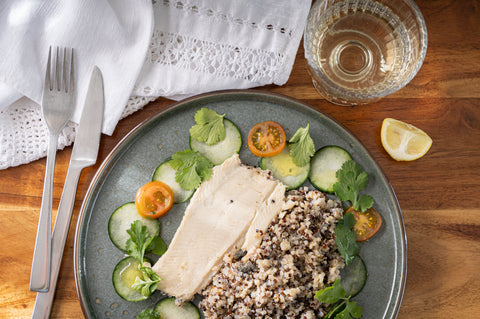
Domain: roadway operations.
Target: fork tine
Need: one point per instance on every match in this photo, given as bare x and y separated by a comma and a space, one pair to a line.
72, 73
48, 84
58, 69
64, 71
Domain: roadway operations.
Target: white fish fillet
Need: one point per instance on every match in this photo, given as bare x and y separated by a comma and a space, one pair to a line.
222, 216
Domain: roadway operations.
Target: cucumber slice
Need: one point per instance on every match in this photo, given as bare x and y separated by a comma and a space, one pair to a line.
121, 220
354, 276
123, 278
284, 169
325, 163
166, 173
219, 152
169, 310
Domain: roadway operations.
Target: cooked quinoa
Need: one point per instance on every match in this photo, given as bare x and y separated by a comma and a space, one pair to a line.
297, 256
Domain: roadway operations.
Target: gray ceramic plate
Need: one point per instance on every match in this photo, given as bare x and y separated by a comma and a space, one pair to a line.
132, 162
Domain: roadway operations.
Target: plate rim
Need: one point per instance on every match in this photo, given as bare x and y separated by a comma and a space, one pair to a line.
116, 152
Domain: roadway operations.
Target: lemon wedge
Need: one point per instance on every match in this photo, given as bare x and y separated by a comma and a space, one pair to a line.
404, 142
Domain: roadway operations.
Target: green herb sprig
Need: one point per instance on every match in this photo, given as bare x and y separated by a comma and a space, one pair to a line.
138, 244
343, 308
351, 180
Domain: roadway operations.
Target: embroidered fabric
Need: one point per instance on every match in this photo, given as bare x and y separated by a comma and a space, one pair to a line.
196, 46
199, 46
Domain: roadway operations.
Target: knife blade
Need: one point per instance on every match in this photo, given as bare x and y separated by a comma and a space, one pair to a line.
84, 154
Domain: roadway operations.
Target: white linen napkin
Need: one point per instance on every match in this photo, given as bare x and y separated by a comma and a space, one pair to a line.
172, 49
114, 35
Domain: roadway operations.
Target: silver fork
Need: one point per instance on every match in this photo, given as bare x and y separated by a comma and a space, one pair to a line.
57, 109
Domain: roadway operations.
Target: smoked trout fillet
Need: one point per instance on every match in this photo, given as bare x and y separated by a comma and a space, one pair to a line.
224, 215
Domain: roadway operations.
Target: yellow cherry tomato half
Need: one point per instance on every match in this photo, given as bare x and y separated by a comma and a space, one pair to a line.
367, 223
266, 139
154, 199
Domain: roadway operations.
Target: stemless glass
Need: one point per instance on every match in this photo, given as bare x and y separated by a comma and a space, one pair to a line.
359, 51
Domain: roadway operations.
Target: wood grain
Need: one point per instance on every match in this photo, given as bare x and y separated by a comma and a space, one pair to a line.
443, 259
438, 193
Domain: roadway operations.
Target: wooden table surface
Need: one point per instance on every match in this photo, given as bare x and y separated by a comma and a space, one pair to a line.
439, 194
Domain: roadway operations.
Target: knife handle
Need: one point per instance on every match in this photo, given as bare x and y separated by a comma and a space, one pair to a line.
44, 300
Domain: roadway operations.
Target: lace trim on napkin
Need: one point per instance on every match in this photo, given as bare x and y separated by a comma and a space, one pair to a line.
24, 137
207, 57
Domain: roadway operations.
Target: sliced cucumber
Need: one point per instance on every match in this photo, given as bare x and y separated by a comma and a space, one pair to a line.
354, 276
121, 220
169, 310
325, 164
219, 152
124, 275
166, 173
284, 169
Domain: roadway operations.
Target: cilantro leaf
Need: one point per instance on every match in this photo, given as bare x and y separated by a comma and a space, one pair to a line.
346, 238
139, 240
331, 294
148, 314
185, 158
157, 246
188, 177
301, 146
351, 180
209, 128
352, 310
148, 284
192, 168
364, 202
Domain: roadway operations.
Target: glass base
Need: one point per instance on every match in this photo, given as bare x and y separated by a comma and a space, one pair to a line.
337, 100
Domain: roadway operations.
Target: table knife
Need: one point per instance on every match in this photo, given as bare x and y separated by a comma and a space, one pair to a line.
84, 154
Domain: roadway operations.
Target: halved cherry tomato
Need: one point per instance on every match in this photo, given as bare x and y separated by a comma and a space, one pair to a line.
154, 199
367, 223
266, 139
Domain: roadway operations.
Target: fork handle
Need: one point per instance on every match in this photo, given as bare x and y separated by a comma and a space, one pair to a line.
44, 300
40, 275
